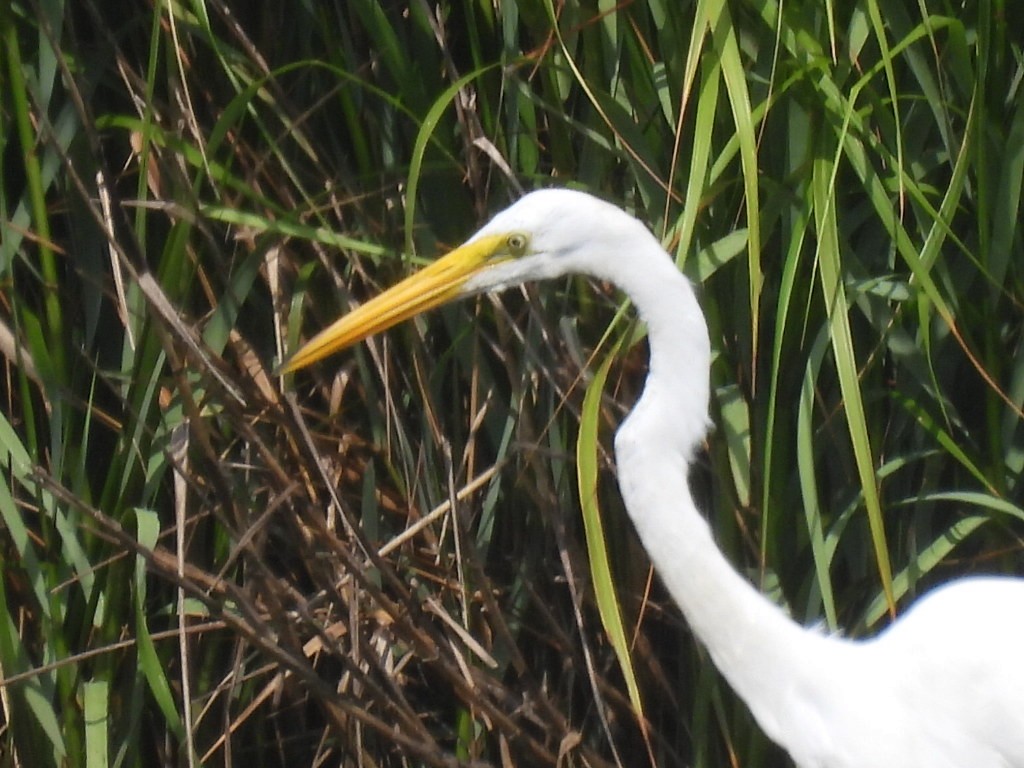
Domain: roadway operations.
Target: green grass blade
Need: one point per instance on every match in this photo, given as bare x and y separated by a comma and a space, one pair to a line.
152, 667
723, 34
587, 452
806, 463
830, 270
96, 712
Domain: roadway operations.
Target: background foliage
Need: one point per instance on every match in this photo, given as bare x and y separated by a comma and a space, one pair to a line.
382, 562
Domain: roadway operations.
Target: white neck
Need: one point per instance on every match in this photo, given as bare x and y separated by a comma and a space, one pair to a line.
760, 651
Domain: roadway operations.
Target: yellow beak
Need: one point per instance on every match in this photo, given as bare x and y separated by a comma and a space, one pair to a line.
432, 286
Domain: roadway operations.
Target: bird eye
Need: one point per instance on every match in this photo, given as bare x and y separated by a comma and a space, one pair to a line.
516, 243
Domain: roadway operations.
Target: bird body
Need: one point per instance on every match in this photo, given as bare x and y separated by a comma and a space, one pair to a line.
943, 687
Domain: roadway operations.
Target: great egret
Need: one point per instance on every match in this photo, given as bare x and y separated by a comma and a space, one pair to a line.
943, 687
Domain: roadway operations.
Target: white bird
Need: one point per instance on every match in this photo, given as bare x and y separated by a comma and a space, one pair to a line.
943, 687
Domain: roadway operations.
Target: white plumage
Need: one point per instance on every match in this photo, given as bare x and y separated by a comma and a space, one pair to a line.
943, 687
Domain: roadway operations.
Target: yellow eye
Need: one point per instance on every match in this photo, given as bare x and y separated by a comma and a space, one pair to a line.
516, 243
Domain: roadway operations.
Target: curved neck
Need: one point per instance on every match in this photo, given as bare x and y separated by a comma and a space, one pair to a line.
759, 650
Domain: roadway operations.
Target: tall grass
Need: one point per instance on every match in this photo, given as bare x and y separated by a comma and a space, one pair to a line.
383, 562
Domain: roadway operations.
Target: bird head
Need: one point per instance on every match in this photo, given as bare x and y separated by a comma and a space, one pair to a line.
545, 234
